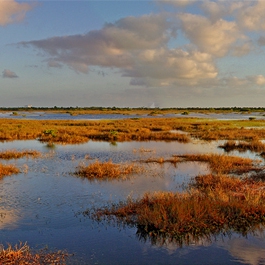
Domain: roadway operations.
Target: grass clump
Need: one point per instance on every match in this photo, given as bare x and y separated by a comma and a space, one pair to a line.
106, 170
212, 205
7, 170
22, 254
223, 164
14, 154
254, 146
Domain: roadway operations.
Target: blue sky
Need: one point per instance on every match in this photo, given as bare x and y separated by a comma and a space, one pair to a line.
132, 53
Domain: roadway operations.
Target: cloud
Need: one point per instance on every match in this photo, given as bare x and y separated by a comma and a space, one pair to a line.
241, 50
9, 74
165, 67
146, 48
216, 38
253, 80
261, 41
112, 46
251, 15
257, 79
54, 64
137, 47
12, 11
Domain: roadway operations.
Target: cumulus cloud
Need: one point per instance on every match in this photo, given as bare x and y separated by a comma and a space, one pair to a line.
9, 74
251, 15
146, 48
12, 11
164, 67
216, 38
112, 46
137, 47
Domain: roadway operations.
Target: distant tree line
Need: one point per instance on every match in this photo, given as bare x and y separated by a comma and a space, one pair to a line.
209, 109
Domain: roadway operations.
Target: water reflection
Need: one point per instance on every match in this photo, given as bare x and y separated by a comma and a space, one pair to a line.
66, 116
41, 207
8, 218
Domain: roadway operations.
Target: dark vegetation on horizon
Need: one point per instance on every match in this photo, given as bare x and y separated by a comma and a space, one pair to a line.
110, 109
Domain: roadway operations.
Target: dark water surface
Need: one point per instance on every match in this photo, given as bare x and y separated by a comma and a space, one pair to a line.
42, 205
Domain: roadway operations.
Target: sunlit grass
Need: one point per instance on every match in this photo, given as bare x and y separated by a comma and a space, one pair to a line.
254, 146
7, 170
224, 164
214, 204
22, 254
14, 154
143, 129
107, 170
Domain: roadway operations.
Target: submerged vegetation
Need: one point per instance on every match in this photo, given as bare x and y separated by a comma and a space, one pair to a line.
22, 254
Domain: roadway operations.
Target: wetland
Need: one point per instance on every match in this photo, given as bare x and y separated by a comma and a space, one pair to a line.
134, 190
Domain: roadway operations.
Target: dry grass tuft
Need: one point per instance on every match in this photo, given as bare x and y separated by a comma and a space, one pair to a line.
7, 170
106, 170
254, 146
223, 164
22, 254
14, 154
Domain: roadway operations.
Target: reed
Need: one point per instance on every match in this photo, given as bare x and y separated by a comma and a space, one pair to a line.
22, 254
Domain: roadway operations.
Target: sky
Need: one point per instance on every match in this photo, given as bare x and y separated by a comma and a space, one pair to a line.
179, 53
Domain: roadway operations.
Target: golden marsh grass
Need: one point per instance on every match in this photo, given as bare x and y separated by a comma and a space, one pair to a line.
14, 154
213, 204
7, 170
22, 254
224, 164
107, 170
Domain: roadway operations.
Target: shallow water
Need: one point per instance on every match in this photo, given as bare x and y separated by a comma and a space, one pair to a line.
67, 116
42, 205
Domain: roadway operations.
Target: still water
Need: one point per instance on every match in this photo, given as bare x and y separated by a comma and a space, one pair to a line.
67, 116
43, 205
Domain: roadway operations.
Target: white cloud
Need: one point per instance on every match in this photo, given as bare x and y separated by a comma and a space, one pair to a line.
9, 74
164, 67
112, 46
12, 11
216, 38
137, 47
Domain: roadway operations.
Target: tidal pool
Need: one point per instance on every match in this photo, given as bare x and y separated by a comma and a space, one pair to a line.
43, 205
